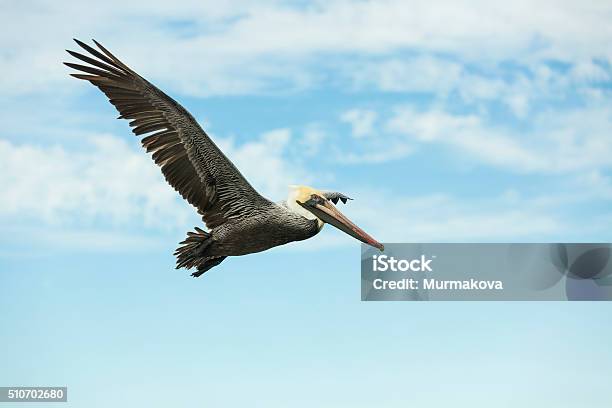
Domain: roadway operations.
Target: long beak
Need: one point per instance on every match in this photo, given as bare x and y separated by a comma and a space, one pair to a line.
328, 213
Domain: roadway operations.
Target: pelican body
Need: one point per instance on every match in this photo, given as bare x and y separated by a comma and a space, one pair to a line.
239, 219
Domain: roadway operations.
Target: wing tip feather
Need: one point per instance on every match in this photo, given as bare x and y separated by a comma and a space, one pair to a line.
86, 77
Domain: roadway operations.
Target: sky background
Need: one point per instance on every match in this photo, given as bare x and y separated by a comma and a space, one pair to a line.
449, 121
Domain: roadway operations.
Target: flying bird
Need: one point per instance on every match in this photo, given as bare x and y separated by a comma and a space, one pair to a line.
239, 220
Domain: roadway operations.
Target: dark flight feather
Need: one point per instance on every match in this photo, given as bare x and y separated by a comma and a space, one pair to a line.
190, 161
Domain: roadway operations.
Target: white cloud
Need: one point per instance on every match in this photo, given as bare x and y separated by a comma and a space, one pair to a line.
110, 183
578, 140
418, 74
594, 184
107, 180
312, 139
267, 164
465, 132
519, 104
527, 85
589, 71
203, 48
361, 120
377, 152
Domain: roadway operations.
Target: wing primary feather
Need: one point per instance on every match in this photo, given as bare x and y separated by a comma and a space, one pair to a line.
97, 63
90, 70
112, 57
94, 52
190, 161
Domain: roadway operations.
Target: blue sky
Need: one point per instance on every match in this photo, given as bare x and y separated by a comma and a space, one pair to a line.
446, 121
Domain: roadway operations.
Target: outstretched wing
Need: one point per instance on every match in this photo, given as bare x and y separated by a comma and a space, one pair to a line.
334, 196
189, 160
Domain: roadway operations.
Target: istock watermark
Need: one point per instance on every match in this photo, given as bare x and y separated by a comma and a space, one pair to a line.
382, 263
466, 271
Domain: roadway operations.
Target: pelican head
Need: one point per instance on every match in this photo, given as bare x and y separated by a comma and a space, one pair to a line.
314, 204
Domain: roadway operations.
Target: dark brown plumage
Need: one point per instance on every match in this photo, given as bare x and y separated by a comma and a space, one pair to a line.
190, 161
240, 219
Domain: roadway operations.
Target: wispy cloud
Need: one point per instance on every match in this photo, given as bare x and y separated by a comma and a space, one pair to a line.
467, 134
218, 42
361, 120
412, 73
108, 181
575, 140
112, 184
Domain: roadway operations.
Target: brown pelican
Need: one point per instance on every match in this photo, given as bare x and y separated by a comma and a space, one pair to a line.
240, 220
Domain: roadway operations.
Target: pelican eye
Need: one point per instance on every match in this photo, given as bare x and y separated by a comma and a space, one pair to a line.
317, 198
